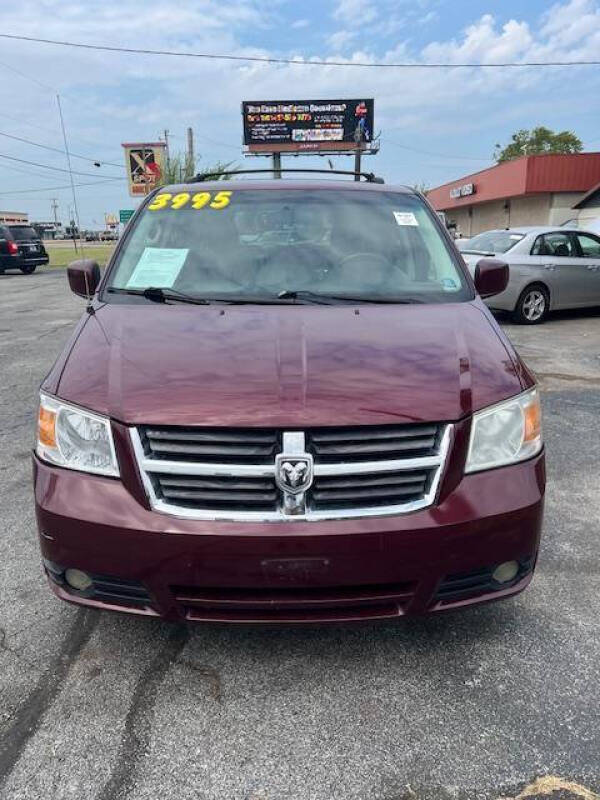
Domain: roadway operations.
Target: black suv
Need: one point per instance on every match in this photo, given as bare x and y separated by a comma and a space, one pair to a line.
21, 248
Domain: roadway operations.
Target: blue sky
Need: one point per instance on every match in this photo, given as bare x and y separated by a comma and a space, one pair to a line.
435, 125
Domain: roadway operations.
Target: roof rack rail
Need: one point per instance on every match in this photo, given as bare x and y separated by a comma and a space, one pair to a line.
369, 177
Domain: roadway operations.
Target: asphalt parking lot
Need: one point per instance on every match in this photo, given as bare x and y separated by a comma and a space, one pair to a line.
489, 703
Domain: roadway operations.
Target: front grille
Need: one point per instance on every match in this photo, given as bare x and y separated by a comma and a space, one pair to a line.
240, 474
370, 489
218, 492
328, 603
372, 443
119, 590
226, 446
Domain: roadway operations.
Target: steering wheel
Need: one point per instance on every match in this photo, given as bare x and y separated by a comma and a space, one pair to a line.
368, 257
376, 260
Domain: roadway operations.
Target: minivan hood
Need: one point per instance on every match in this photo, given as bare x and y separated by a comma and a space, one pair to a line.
288, 365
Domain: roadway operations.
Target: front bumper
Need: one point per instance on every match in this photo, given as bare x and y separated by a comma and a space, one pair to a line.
149, 563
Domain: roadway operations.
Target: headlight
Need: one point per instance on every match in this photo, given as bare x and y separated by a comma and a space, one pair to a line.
506, 433
74, 438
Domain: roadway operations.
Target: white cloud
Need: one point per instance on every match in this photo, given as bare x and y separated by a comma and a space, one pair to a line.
430, 16
483, 42
301, 23
338, 40
113, 97
355, 12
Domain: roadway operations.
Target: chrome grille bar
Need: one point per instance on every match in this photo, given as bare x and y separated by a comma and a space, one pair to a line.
150, 468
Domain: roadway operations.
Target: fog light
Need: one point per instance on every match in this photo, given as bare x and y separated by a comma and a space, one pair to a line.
506, 571
78, 580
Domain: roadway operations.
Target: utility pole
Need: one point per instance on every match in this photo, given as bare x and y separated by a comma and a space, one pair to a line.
166, 135
191, 160
54, 207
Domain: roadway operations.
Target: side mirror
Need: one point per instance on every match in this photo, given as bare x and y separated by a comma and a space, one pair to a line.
84, 277
491, 276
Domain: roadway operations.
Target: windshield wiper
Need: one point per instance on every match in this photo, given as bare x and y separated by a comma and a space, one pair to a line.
330, 299
159, 295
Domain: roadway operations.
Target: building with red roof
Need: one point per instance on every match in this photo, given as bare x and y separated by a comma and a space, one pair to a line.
532, 190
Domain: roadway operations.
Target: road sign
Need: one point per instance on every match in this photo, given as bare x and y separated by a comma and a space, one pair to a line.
125, 214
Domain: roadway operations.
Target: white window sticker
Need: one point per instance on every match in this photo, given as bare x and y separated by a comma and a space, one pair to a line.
405, 218
158, 266
515, 236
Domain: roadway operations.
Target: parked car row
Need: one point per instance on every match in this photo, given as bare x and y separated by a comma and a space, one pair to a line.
549, 269
101, 236
21, 248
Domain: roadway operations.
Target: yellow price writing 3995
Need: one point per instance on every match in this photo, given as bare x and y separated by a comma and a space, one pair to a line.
199, 200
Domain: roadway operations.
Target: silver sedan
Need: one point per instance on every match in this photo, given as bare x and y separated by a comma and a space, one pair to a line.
549, 269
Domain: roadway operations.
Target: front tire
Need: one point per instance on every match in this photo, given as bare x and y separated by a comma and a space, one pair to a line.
532, 306
29, 269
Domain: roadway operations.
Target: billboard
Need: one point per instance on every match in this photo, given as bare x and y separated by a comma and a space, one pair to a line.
144, 162
307, 125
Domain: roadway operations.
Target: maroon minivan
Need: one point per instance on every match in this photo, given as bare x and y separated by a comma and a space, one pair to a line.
287, 402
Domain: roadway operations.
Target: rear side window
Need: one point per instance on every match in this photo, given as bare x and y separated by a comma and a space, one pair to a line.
559, 245
590, 246
23, 233
493, 242
258, 243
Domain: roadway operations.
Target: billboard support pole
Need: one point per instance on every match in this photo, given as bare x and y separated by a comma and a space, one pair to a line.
357, 162
277, 165
358, 152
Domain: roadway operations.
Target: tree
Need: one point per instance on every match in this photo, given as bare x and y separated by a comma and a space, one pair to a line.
538, 140
178, 169
421, 187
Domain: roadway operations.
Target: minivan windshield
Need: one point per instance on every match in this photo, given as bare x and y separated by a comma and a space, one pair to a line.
492, 242
276, 244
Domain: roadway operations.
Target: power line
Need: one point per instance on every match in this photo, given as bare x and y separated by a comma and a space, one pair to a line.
24, 121
44, 128
435, 155
57, 169
22, 171
62, 152
58, 188
206, 138
295, 61
24, 75
27, 77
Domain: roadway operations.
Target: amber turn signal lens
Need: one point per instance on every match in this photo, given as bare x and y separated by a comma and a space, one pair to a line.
533, 420
47, 427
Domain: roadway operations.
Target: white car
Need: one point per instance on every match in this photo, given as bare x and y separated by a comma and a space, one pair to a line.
462, 244
592, 225
549, 269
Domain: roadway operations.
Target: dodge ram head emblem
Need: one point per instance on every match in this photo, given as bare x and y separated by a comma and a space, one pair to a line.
293, 474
